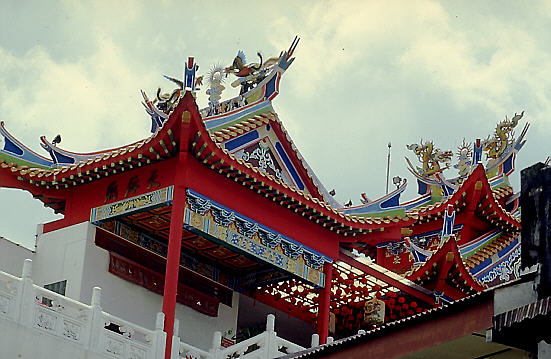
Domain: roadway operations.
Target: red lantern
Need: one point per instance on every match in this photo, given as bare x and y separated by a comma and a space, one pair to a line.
413, 304
401, 300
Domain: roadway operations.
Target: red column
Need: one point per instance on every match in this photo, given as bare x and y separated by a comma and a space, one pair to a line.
175, 235
173, 263
323, 304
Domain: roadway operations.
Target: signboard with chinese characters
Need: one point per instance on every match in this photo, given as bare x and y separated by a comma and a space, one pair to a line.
374, 312
132, 204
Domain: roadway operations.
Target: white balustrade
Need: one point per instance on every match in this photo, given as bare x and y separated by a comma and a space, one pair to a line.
108, 336
86, 326
265, 345
9, 288
60, 316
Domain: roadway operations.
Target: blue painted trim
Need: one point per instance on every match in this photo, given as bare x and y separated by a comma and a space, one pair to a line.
240, 216
474, 271
212, 123
289, 166
473, 246
505, 250
12, 147
270, 87
487, 265
241, 140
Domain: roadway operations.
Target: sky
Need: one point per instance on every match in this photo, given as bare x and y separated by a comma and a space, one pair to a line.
366, 73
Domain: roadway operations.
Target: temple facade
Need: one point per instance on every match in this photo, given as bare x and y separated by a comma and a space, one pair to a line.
216, 220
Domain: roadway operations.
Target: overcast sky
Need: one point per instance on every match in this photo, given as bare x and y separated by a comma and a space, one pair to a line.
365, 73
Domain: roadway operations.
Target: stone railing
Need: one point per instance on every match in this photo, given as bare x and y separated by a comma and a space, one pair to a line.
265, 345
86, 327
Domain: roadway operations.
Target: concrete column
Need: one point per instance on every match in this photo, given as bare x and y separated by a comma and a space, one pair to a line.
544, 350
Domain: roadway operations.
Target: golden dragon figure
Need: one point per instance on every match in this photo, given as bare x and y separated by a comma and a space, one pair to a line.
503, 137
430, 157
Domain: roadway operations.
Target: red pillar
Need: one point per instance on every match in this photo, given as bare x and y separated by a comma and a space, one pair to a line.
323, 304
175, 235
173, 263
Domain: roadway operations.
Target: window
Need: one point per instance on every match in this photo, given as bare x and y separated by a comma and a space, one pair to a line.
58, 287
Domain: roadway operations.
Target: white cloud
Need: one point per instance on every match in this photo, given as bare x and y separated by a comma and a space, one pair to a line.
92, 102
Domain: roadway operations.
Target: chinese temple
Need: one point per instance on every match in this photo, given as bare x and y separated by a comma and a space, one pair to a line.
217, 211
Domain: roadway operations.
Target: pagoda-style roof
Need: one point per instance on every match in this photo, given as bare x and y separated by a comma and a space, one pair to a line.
163, 145
474, 194
445, 273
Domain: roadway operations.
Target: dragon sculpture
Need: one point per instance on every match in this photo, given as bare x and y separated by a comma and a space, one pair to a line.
249, 75
430, 157
238, 67
503, 137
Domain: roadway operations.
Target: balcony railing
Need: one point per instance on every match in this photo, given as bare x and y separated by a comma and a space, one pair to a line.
90, 329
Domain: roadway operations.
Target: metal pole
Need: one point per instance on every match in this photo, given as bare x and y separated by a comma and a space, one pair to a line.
388, 166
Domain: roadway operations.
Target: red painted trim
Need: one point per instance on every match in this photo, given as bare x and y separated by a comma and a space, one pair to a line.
468, 186
153, 281
440, 259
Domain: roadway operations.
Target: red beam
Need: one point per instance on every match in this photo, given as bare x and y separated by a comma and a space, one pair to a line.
387, 279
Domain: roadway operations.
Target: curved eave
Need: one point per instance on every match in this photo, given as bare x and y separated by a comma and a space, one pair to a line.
205, 148
431, 269
159, 146
491, 249
489, 204
27, 158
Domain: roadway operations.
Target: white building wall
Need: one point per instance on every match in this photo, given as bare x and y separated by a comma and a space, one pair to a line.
71, 254
12, 256
59, 256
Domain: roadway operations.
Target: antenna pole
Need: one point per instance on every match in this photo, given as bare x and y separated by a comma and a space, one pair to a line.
388, 166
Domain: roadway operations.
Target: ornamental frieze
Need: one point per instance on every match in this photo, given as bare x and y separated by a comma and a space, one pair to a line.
251, 237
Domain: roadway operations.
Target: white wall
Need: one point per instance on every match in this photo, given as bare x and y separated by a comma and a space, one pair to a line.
71, 254
60, 256
12, 256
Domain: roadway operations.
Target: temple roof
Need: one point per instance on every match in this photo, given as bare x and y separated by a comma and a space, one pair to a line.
475, 194
164, 144
446, 273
